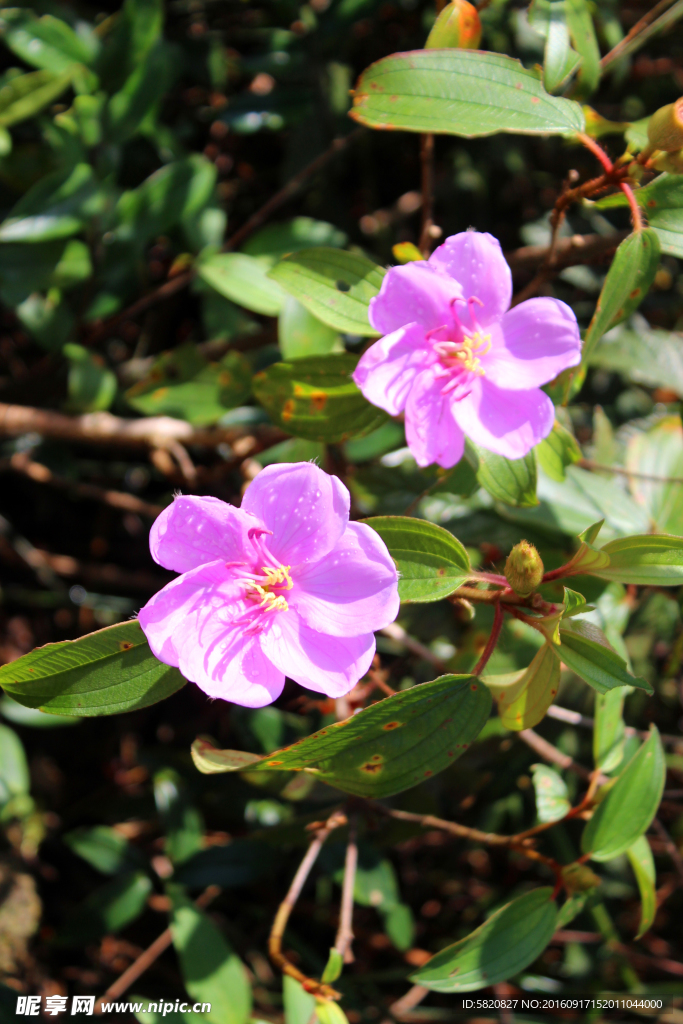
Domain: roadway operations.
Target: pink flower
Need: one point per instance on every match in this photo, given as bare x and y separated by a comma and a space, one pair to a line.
283, 586
457, 362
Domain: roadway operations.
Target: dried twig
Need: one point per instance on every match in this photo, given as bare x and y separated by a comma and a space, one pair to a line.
22, 463
344, 938
427, 169
600, 467
656, 20
671, 848
152, 953
281, 918
550, 753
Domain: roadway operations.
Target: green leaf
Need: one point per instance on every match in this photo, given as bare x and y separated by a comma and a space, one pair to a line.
104, 673
182, 822
26, 95
301, 334
662, 201
630, 805
585, 650
174, 192
107, 909
644, 355
524, 697
299, 1004
508, 942
276, 240
31, 718
557, 451
552, 800
333, 967
211, 972
627, 283
92, 386
47, 42
104, 849
48, 318
399, 925
510, 481
14, 773
315, 398
383, 749
609, 730
237, 864
549, 18
651, 560
335, 286
582, 30
330, 1013
570, 909
181, 383
57, 206
460, 92
244, 280
141, 93
643, 864
574, 603
432, 563
658, 452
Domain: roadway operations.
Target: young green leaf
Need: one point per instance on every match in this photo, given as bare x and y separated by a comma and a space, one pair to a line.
552, 800
508, 942
549, 18
557, 451
330, 1013
211, 972
107, 909
48, 42
244, 280
103, 673
298, 1003
586, 651
460, 92
570, 909
14, 774
315, 398
173, 193
524, 697
630, 805
432, 563
104, 849
609, 730
510, 481
582, 31
383, 749
55, 207
26, 95
141, 93
335, 286
333, 967
643, 864
627, 283
652, 560
658, 452
301, 334
181, 820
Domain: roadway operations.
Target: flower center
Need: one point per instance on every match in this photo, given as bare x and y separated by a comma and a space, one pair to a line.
266, 589
461, 352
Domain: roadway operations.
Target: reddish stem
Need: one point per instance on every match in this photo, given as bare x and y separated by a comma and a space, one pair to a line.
597, 151
636, 216
492, 640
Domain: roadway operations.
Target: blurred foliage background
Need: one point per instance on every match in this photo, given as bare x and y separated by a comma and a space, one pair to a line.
136, 140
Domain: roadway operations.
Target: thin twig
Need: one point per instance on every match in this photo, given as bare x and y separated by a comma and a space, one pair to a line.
575, 718
398, 633
284, 910
152, 953
22, 463
550, 753
647, 26
344, 938
600, 467
176, 284
636, 215
427, 168
409, 1001
568, 252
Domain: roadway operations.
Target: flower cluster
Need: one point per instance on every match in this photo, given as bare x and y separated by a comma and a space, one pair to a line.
283, 586
457, 361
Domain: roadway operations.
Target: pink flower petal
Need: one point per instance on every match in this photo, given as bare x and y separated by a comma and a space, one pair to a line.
386, 371
194, 530
328, 664
353, 590
432, 433
476, 261
416, 293
306, 509
532, 344
509, 423
191, 624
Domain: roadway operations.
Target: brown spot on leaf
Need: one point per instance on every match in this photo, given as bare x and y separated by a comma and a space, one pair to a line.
371, 769
535, 99
392, 725
428, 773
318, 401
288, 410
652, 202
124, 645
271, 764
474, 686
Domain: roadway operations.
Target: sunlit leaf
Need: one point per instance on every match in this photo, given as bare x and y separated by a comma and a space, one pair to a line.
524, 697
552, 800
432, 563
643, 864
586, 651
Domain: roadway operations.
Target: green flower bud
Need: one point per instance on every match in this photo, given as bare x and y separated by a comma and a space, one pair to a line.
665, 127
671, 162
579, 878
457, 27
524, 568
